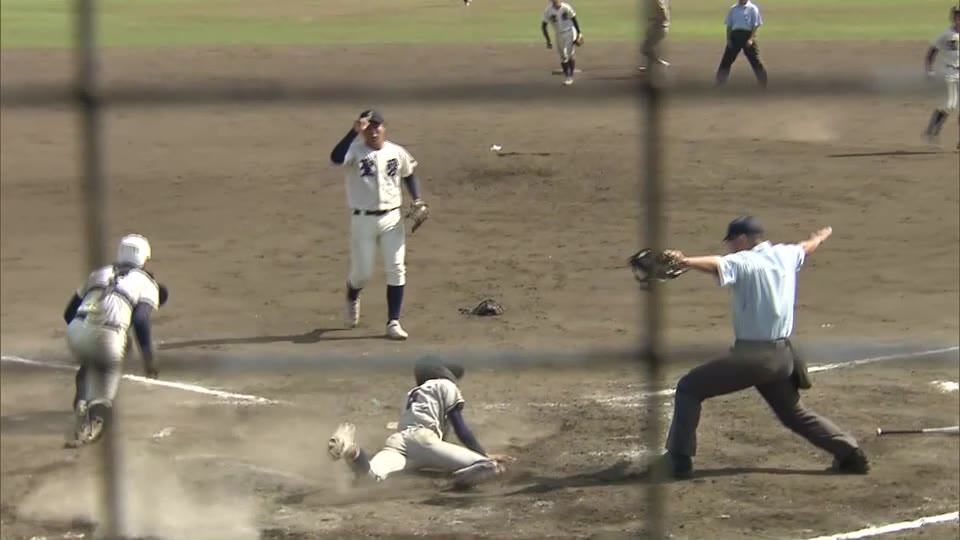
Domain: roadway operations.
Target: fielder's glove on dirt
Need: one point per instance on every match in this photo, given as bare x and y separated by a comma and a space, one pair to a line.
418, 214
648, 266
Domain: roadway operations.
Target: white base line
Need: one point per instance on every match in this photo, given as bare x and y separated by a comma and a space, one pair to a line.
249, 398
231, 396
893, 527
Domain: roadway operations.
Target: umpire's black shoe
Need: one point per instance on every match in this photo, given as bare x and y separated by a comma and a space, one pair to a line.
673, 466
856, 462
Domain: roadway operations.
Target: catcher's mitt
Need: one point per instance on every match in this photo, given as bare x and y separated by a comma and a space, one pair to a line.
648, 266
486, 308
579, 41
418, 214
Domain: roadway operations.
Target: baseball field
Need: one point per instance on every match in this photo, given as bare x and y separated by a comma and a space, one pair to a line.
249, 230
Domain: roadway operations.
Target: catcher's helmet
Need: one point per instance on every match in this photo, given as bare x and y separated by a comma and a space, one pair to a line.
134, 250
433, 368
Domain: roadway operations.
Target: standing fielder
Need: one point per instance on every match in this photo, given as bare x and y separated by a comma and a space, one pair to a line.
947, 45
742, 22
99, 317
374, 169
430, 409
762, 278
657, 28
563, 18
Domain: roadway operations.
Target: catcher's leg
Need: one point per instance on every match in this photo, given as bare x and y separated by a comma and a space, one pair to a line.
393, 249
103, 381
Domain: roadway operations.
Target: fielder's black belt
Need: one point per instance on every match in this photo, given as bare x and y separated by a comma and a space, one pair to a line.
373, 212
112, 326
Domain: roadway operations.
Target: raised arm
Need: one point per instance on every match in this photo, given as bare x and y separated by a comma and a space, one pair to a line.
811, 244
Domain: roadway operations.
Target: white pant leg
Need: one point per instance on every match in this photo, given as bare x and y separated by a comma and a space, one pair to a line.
363, 249
102, 351
392, 458
565, 47
953, 95
426, 450
393, 239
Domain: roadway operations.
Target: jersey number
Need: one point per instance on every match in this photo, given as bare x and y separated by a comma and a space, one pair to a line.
393, 166
368, 167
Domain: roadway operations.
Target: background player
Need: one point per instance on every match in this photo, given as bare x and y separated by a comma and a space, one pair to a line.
429, 410
374, 168
567, 31
99, 317
947, 45
658, 25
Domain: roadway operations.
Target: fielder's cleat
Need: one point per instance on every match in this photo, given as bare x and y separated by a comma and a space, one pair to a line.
477, 473
81, 427
96, 430
395, 331
342, 441
568, 81
663, 62
352, 313
856, 462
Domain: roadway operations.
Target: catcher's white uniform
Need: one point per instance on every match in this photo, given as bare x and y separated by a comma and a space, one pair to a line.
560, 17
98, 334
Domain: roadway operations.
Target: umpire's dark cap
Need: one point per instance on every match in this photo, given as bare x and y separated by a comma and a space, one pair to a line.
373, 116
747, 225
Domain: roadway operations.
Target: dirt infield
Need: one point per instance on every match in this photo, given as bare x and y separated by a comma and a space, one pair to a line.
249, 231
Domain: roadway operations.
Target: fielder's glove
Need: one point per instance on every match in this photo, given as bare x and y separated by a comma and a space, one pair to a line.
418, 214
648, 266
579, 41
164, 293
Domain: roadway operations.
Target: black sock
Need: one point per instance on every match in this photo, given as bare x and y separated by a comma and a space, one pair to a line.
573, 65
80, 386
352, 294
394, 302
936, 122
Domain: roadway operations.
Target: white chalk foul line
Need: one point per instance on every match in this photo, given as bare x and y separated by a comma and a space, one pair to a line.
222, 394
931, 352
893, 527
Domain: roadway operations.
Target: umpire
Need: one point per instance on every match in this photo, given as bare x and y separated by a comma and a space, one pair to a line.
762, 278
743, 21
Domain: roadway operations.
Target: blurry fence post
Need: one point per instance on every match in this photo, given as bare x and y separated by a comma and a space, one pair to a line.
86, 95
650, 96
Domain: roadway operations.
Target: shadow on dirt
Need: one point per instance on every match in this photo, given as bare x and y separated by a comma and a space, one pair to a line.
313, 336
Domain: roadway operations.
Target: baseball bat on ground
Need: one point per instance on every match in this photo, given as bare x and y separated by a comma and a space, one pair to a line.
950, 429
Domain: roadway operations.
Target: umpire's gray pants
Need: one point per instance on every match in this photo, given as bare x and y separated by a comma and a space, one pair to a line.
768, 366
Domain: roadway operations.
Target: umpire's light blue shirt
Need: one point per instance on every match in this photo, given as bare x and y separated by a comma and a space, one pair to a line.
763, 286
745, 17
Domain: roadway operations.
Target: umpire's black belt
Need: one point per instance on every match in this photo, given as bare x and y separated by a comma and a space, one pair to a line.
111, 326
373, 212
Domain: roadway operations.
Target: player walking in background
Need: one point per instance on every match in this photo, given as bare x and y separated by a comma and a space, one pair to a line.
566, 29
429, 410
99, 317
742, 22
374, 169
762, 278
947, 46
657, 28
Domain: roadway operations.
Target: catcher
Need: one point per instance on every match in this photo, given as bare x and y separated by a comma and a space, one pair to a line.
430, 409
374, 170
762, 278
561, 15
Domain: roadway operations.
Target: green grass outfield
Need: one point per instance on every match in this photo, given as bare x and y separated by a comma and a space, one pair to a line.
152, 23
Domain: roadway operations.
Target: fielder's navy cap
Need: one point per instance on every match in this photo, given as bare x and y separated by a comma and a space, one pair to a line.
748, 225
374, 116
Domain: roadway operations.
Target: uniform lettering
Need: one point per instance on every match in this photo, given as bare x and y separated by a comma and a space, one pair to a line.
368, 167
393, 165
